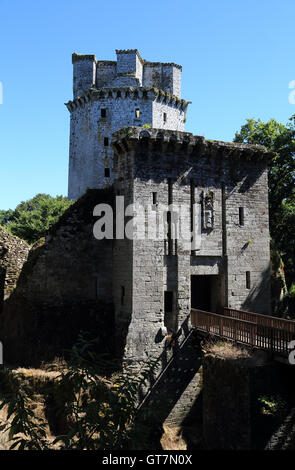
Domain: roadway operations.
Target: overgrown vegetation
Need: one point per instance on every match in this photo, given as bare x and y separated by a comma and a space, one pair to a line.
97, 412
31, 219
273, 406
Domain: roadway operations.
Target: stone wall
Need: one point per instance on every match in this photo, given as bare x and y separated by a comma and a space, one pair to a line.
226, 404
90, 153
182, 168
109, 96
65, 286
236, 391
174, 396
13, 254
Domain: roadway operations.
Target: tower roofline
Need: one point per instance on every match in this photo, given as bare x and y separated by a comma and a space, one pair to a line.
155, 64
79, 57
146, 62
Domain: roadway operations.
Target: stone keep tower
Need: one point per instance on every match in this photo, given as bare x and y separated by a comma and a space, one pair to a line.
110, 95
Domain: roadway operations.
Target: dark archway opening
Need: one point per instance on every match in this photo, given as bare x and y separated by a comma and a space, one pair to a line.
206, 292
201, 292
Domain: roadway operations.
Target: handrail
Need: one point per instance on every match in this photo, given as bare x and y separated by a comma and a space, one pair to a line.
260, 318
247, 332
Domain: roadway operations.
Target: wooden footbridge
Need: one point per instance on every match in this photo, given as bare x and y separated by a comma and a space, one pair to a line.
250, 329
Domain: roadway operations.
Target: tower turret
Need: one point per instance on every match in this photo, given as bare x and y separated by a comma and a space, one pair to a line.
109, 95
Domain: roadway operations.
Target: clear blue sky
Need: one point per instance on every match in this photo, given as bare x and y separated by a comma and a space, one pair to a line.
238, 58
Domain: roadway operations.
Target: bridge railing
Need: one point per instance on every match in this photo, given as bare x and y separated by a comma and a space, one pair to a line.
242, 331
260, 319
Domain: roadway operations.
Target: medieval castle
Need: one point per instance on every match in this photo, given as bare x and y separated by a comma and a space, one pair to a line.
155, 283
127, 140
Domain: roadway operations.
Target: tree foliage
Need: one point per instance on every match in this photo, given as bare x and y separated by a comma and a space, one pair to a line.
31, 219
280, 139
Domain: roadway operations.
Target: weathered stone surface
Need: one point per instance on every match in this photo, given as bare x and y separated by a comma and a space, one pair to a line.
148, 161
13, 254
118, 89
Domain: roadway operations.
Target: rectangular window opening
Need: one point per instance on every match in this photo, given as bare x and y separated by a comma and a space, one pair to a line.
165, 117
248, 280
155, 198
103, 113
106, 141
137, 113
241, 216
107, 172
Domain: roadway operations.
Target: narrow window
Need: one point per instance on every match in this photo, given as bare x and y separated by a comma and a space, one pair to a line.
241, 216
122, 295
137, 113
106, 141
103, 113
168, 301
248, 280
165, 117
107, 172
155, 198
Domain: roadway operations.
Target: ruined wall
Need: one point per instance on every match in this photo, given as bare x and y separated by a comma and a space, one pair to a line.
65, 286
13, 254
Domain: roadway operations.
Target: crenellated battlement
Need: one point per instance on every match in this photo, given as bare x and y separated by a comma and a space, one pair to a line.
130, 69
184, 143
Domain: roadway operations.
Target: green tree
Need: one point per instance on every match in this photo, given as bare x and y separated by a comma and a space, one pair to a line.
6, 216
31, 219
280, 139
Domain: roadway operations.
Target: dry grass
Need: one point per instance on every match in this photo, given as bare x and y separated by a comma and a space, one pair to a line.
40, 374
38, 379
4, 435
226, 350
172, 439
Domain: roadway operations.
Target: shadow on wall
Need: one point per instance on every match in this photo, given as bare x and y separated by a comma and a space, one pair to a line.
258, 300
2, 287
58, 293
168, 158
174, 384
